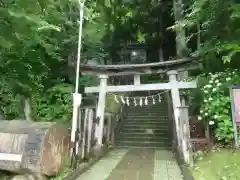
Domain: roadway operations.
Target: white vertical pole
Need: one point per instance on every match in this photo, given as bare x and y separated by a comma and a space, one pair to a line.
77, 98
175, 100
81, 8
101, 107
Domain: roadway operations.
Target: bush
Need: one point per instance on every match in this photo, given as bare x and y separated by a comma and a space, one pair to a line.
54, 105
216, 103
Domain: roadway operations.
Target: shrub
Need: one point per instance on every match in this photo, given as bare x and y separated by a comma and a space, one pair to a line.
54, 105
216, 103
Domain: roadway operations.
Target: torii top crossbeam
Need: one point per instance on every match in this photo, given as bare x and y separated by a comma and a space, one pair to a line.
133, 69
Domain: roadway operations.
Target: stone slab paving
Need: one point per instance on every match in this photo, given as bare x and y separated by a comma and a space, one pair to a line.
135, 164
166, 167
102, 169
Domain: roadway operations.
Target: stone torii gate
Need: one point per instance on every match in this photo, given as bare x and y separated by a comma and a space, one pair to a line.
172, 68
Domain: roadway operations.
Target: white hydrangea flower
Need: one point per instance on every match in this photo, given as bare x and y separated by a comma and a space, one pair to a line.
214, 89
201, 111
216, 81
205, 91
219, 84
214, 75
211, 81
228, 79
215, 116
205, 100
210, 99
206, 114
199, 118
211, 122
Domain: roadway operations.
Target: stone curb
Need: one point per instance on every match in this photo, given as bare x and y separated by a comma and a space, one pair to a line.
85, 166
187, 174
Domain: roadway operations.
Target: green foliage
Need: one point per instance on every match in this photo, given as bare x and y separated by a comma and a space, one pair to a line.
129, 22
111, 105
54, 105
10, 104
38, 43
215, 106
39, 39
219, 22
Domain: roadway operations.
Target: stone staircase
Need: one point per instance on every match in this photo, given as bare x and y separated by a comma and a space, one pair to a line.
146, 127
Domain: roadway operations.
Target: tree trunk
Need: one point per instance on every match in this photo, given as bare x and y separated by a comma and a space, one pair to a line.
160, 54
181, 45
28, 109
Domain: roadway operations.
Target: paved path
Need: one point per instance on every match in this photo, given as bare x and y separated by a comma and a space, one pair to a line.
135, 164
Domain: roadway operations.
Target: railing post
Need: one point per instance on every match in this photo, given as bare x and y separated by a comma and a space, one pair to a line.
186, 143
109, 128
84, 132
90, 126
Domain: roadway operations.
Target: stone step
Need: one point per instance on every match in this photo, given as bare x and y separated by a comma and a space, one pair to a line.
144, 144
147, 115
146, 122
146, 109
159, 134
165, 140
145, 126
143, 147
143, 131
143, 137
146, 133
152, 121
139, 113
149, 105
147, 119
151, 117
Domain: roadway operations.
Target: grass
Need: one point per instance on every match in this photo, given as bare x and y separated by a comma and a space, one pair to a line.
62, 175
4, 175
220, 164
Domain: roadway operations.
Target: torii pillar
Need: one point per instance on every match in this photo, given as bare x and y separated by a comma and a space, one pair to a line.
101, 107
175, 101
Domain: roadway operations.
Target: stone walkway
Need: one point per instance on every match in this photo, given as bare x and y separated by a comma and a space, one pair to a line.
135, 164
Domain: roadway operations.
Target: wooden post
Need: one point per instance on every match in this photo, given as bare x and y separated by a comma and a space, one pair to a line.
86, 114
77, 99
137, 79
109, 128
90, 122
101, 107
175, 100
186, 143
184, 116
